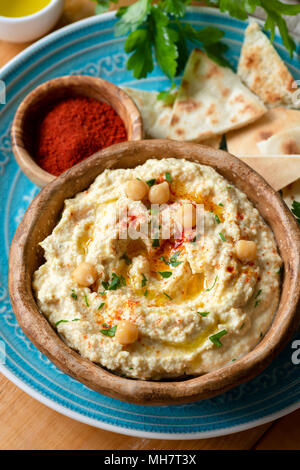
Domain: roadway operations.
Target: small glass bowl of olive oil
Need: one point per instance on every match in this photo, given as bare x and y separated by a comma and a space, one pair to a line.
24, 21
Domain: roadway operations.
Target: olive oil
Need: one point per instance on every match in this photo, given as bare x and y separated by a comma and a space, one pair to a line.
19, 8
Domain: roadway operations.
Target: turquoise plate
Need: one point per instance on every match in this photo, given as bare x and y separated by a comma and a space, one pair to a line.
89, 47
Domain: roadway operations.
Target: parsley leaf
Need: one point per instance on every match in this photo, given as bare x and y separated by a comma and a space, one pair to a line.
222, 237
167, 97
203, 314
165, 39
74, 295
144, 280
165, 274
101, 305
296, 210
126, 259
110, 332
116, 282
173, 260
140, 62
168, 297
133, 17
168, 177
217, 219
86, 301
210, 288
175, 7
215, 339
103, 5
155, 243
151, 182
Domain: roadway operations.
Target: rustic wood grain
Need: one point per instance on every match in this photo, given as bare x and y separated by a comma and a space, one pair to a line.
27, 424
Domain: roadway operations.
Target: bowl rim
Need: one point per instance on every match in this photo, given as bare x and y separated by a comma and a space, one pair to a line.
25, 160
285, 322
34, 16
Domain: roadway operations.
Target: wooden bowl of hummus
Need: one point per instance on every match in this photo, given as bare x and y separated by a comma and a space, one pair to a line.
157, 319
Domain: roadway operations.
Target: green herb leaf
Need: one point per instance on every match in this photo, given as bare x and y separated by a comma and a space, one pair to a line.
222, 237
146, 293
61, 321
168, 177
175, 7
151, 182
217, 219
86, 301
296, 210
126, 259
165, 274
215, 339
210, 288
116, 282
110, 332
144, 281
167, 97
133, 17
155, 243
103, 5
105, 284
203, 314
173, 259
74, 295
76, 319
140, 62
170, 298
165, 39
101, 305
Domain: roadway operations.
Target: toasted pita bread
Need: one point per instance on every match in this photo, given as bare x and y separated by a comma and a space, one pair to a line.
264, 72
291, 192
286, 142
278, 171
211, 100
155, 114
243, 142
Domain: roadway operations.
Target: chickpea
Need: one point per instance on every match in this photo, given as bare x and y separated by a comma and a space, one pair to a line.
85, 274
159, 193
187, 216
246, 250
136, 190
127, 332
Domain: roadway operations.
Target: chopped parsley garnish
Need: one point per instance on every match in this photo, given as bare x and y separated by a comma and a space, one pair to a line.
110, 332
173, 260
61, 321
144, 280
256, 297
126, 259
233, 360
146, 293
279, 270
229, 187
296, 210
116, 282
215, 339
66, 321
101, 305
220, 204
155, 243
105, 284
203, 314
222, 237
151, 182
168, 177
195, 239
217, 219
167, 296
74, 295
210, 288
86, 301
165, 274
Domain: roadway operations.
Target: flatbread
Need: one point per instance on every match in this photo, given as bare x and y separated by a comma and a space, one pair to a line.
155, 114
211, 100
264, 72
278, 171
286, 142
243, 142
291, 193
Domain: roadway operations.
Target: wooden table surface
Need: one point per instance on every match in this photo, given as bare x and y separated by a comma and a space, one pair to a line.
27, 424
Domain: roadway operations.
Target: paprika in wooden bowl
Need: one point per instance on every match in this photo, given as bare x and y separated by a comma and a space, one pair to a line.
66, 120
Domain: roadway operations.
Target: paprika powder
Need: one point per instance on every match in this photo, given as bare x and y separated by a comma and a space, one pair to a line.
73, 129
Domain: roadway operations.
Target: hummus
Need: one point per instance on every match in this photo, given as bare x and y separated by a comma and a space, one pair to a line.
193, 303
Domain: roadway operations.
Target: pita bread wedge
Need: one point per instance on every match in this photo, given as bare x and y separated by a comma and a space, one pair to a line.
243, 142
291, 193
155, 114
286, 142
264, 72
211, 100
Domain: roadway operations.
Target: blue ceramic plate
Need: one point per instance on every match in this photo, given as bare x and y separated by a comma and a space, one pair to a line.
89, 47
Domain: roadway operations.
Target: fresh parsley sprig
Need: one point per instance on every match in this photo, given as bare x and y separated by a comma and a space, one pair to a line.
156, 32
296, 210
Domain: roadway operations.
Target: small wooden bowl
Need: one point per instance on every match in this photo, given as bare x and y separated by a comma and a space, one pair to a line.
39, 100
41, 217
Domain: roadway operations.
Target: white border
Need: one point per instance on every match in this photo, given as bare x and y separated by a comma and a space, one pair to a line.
75, 415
